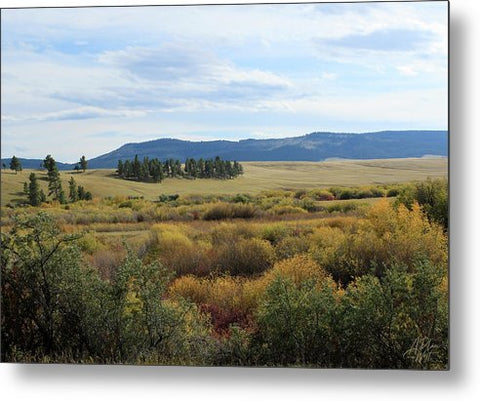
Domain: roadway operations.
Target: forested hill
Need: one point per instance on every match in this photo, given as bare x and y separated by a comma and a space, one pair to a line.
316, 146
312, 147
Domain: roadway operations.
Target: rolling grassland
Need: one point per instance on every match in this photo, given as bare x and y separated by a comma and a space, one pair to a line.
258, 176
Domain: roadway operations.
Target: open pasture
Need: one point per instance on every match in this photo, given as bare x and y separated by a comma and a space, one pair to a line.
258, 176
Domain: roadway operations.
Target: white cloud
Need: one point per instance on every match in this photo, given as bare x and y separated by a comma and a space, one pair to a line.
79, 113
408, 70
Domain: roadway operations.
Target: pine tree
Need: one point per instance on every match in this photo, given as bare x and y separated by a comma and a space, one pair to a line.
72, 190
54, 183
136, 167
83, 163
61, 197
120, 168
15, 164
34, 194
81, 192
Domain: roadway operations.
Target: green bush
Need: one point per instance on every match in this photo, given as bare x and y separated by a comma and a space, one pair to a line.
399, 321
431, 195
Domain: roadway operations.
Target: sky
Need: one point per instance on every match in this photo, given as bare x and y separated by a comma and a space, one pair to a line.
85, 81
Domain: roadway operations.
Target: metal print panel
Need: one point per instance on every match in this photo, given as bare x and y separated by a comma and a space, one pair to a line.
226, 185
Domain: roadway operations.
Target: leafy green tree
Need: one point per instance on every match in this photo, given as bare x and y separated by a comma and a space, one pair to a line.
40, 269
83, 163
15, 164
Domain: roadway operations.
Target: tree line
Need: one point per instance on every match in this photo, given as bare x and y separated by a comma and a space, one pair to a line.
155, 170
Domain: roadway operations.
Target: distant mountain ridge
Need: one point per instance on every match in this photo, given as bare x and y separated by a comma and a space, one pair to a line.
316, 146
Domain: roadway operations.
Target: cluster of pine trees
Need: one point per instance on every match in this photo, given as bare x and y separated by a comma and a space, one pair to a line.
55, 190
156, 170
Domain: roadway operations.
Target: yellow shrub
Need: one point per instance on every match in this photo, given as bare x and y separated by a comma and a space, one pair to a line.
280, 210
175, 250
298, 269
192, 288
384, 237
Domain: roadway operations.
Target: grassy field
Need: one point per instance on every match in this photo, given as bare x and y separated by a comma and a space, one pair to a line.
258, 176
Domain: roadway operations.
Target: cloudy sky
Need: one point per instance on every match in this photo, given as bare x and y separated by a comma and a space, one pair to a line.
86, 81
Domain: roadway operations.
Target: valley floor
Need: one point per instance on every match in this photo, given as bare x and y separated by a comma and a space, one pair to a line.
259, 176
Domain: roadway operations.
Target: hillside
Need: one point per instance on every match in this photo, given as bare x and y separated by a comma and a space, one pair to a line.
312, 147
258, 176
316, 146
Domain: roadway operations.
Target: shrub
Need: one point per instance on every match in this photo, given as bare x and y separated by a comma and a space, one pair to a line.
321, 195
172, 248
384, 237
291, 246
342, 207
398, 321
299, 269
242, 198
245, 256
218, 211
280, 210
431, 195
243, 211
230, 233
223, 210
105, 261
296, 323
276, 232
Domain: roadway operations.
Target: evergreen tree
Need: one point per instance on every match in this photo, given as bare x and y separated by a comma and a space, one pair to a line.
61, 197
49, 163
127, 169
42, 196
120, 168
15, 164
229, 173
81, 192
72, 190
136, 167
34, 194
83, 163
54, 183
144, 170
201, 168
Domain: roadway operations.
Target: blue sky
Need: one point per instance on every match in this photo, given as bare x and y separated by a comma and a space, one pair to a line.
86, 81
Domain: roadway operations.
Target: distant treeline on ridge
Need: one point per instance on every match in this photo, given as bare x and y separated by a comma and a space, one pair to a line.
155, 170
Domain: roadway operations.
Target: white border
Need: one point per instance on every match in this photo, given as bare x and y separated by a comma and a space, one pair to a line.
462, 382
